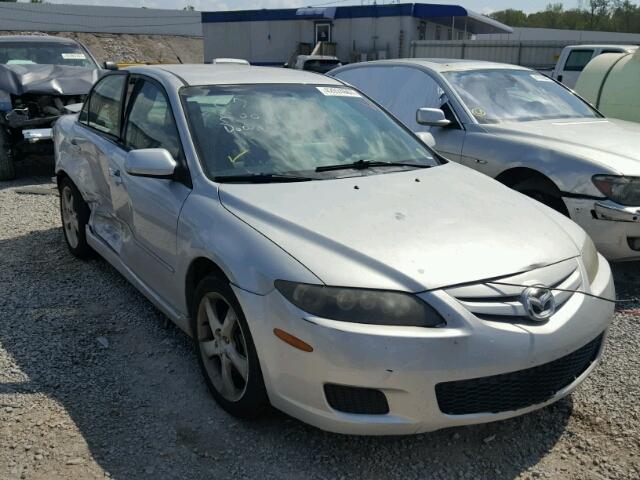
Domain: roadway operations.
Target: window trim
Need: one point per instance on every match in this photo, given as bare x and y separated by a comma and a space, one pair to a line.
109, 136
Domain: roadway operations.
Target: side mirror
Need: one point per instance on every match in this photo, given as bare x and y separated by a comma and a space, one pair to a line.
432, 117
110, 65
286, 65
150, 162
427, 139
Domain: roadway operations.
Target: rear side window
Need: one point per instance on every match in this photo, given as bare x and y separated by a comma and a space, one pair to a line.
151, 123
577, 60
401, 90
105, 105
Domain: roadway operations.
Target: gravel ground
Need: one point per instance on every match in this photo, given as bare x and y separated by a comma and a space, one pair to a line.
92, 385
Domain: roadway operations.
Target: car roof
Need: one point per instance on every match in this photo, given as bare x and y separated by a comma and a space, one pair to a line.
439, 64
233, 74
35, 39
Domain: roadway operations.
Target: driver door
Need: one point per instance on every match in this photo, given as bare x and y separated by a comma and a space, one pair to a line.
151, 206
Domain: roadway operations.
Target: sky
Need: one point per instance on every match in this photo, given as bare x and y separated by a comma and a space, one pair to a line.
482, 6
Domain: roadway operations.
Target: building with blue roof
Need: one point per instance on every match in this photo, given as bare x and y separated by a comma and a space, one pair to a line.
353, 33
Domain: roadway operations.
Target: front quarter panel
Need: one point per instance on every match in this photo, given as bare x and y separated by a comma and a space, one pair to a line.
494, 154
249, 259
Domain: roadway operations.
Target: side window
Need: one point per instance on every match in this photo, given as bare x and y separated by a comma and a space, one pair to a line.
105, 105
150, 123
577, 60
401, 90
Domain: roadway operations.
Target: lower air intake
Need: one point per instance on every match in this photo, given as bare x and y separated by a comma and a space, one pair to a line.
366, 401
515, 390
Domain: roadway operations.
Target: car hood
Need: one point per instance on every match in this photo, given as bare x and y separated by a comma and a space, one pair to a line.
47, 79
413, 231
610, 142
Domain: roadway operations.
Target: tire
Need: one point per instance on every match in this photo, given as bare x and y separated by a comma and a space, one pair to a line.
7, 166
74, 213
542, 194
226, 352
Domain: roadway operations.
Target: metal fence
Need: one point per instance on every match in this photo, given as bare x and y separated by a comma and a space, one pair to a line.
532, 54
86, 18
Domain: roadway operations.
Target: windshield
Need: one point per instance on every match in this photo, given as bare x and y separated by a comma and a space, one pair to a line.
500, 95
32, 53
274, 129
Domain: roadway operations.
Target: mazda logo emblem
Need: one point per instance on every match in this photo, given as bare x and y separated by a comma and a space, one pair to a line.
539, 303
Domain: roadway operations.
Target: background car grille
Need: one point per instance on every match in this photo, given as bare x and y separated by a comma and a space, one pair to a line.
515, 390
356, 400
502, 303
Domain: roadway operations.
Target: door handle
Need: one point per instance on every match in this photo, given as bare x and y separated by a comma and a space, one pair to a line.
77, 141
115, 173
480, 161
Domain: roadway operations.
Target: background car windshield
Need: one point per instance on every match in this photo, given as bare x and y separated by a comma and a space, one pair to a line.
495, 96
293, 128
32, 53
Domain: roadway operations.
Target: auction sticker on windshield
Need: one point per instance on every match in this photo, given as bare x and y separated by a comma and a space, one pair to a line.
338, 92
74, 56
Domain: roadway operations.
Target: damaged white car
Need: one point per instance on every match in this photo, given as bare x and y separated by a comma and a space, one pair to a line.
39, 77
324, 260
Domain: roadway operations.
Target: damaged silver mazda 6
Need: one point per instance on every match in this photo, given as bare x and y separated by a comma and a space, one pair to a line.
39, 77
324, 259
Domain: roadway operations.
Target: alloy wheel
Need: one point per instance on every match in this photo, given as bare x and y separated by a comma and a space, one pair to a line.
223, 346
70, 217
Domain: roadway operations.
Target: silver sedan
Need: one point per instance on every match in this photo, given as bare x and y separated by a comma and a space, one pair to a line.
324, 260
524, 129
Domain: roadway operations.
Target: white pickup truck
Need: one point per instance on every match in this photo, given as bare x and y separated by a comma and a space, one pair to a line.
574, 58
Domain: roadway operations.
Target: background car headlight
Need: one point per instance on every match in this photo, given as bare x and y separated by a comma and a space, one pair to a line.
358, 305
590, 258
622, 190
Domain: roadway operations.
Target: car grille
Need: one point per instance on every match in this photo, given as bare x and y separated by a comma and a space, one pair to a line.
515, 390
502, 303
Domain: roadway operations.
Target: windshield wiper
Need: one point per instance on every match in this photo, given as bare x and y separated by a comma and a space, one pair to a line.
362, 164
260, 178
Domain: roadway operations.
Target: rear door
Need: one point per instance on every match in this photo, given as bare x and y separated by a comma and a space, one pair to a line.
98, 141
150, 207
574, 64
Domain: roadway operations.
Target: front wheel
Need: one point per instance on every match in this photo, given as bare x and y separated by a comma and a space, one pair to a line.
226, 353
544, 194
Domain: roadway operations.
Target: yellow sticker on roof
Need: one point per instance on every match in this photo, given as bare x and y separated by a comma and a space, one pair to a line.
338, 92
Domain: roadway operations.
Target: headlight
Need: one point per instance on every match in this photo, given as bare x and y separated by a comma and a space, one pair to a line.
622, 190
590, 259
358, 305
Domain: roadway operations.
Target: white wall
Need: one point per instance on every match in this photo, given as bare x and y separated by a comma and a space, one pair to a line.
275, 41
553, 34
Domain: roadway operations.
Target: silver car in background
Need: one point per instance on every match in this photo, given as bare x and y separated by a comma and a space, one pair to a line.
324, 259
525, 130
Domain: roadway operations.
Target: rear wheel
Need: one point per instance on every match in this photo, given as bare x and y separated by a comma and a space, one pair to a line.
226, 353
7, 166
74, 213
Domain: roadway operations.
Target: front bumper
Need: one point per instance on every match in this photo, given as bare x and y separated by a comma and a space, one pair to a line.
611, 226
406, 363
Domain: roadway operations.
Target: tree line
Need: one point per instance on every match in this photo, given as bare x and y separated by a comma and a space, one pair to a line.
602, 15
